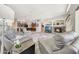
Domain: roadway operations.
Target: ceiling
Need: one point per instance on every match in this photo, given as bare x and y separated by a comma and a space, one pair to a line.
38, 11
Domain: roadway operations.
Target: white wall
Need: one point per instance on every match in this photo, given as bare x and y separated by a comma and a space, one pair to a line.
70, 22
68, 25
77, 21
72, 17
6, 12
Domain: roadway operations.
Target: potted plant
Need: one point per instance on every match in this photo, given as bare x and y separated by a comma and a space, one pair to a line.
17, 44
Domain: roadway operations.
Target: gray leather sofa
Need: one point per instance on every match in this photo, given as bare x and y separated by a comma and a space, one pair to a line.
11, 36
66, 43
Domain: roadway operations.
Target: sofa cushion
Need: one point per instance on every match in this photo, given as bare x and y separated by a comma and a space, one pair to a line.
58, 42
52, 44
65, 50
10, 35
7, 43
45, 48
75, 44
69, 36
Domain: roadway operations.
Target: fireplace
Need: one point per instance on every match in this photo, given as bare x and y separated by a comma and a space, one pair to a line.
59, 29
